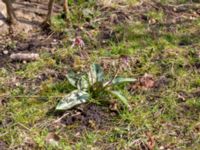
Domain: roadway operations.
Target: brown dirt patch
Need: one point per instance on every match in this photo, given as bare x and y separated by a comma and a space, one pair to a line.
29, 15
89, 116
31, 44
27, 35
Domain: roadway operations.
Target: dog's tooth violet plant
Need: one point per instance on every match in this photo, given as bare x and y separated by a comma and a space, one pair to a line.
91, 85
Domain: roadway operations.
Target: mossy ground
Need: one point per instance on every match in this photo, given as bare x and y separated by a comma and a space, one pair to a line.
157, 41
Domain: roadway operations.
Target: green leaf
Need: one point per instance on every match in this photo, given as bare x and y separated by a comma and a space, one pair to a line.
74, 98
71, 77
82, 83
96, 74
120, 97
119, 80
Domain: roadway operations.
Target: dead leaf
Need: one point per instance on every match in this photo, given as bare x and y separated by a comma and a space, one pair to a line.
92, 124
151, 141
114, 107
147, 81
181, 97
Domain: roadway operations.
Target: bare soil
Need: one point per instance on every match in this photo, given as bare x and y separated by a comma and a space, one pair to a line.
27, 35
90, 116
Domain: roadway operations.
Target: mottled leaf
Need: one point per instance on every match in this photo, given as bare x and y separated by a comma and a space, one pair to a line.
72, 78
96, 74
74, 98
82, 83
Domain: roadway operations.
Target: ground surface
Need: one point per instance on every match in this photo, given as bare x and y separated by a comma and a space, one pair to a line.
157, 43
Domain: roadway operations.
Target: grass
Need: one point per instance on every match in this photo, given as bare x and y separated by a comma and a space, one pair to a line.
170, 113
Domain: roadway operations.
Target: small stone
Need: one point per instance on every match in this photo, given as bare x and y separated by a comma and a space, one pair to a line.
161, 147
5, 52
17, 84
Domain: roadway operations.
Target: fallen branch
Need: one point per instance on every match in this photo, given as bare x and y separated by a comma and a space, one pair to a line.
24, 57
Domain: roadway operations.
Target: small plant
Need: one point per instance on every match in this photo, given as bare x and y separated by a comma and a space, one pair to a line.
91, 85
